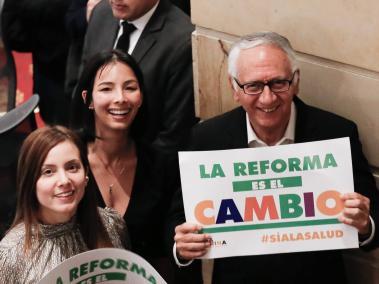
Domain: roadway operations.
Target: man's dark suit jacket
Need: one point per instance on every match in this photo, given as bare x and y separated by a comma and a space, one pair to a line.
228, 131
164, 54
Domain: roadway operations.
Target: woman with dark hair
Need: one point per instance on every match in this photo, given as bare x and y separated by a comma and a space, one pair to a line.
109, 113
56, 216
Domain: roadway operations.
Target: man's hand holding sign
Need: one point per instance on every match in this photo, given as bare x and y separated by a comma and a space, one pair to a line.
190, 243
356, 212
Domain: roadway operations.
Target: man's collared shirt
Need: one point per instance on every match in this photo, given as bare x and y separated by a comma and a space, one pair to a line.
288, 138
140, 24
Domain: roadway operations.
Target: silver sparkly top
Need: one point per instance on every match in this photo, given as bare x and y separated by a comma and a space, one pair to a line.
57, 243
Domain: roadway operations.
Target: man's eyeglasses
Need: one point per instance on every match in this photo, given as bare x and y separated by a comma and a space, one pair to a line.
257, 87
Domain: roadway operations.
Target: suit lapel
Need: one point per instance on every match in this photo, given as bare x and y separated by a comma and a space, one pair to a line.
236, 129
306, 129
109, 34
150, 33
142, 47
110, 38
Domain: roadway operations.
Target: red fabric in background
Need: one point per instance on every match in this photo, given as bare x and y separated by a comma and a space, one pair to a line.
24, 71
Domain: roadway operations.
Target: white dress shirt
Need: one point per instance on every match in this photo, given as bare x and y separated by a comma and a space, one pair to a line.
140, 24
288, 138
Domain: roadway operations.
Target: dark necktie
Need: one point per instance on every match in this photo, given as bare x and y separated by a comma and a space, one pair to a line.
123, 41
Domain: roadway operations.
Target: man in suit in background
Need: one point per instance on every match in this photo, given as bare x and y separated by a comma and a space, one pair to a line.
265, 81
160, 41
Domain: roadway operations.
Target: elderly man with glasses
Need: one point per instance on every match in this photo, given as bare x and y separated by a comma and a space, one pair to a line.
265, 79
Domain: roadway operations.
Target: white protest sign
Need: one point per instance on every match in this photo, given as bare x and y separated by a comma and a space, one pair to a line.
270, 200
107, 265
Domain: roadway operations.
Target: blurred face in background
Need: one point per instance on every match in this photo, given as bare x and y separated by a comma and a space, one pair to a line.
61, 185
131, 9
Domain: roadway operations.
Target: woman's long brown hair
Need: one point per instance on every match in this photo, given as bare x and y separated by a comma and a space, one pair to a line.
32, 155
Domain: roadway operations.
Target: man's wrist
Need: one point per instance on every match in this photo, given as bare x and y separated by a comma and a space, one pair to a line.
180, 264
366, 239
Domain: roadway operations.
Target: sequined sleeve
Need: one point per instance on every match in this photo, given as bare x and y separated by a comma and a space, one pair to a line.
6, 266
11, 248
116, 227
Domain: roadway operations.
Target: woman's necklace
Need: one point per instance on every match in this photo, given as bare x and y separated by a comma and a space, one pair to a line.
114, 175
111, 173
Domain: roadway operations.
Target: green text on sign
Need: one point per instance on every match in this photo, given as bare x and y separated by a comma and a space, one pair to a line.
104, 277
260, 184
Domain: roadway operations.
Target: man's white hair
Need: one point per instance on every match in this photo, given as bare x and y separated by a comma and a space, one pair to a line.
258, 39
